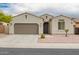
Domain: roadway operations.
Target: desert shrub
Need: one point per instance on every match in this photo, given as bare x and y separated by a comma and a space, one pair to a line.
66, 31
42, 36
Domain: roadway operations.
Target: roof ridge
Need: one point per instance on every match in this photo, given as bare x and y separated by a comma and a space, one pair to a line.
47, 14
26, 13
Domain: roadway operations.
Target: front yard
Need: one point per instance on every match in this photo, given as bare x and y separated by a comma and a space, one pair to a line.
60, 39
33, 41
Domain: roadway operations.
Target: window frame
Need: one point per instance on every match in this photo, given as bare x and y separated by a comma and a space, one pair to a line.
61, 24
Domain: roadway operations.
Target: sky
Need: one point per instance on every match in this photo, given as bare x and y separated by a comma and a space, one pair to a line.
38, 9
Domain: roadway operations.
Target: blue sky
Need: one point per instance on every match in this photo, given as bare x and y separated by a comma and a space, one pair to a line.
41, 8
4, 5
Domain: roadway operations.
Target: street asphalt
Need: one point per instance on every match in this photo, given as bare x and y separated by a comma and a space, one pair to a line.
38, 51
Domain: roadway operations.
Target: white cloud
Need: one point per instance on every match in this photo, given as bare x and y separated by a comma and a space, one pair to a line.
37, 6
40, 8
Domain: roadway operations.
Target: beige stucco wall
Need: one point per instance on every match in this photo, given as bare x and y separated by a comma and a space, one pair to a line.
49, 20
48, 17
53, 24
22, 19
68, 25
38, 20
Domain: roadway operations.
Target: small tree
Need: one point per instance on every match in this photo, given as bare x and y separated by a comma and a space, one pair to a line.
66, 31
5, 18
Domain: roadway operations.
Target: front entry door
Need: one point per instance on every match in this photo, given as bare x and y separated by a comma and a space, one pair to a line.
46, 28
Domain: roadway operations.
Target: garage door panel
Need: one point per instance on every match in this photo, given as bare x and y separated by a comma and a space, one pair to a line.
26, 29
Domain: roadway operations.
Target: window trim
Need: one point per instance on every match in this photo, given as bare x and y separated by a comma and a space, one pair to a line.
61, 21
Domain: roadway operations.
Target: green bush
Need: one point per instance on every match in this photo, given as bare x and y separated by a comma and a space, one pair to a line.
42, 36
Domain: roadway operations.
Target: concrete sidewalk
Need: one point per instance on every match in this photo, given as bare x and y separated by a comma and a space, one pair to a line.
31, 41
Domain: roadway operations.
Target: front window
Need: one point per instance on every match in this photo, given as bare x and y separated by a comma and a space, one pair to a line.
61, 24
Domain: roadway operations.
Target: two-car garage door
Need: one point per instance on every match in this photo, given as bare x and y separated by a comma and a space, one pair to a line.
24, 28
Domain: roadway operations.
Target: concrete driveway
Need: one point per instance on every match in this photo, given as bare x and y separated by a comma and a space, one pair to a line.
18, 40
31, 41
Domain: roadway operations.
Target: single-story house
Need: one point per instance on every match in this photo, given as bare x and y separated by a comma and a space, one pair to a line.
27, 23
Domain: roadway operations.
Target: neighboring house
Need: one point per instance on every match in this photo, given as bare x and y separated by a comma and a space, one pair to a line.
3, 27
76, 26
27, 23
